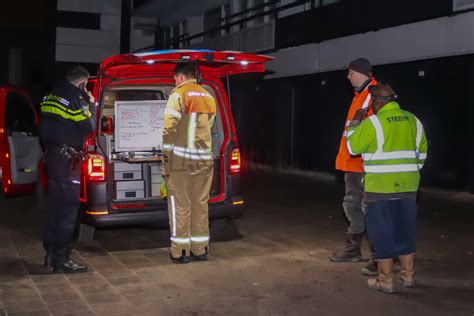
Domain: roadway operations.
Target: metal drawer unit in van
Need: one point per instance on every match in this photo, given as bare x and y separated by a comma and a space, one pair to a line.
127, 171
128, 179
130, 190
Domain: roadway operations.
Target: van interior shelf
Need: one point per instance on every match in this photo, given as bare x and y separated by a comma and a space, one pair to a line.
138, 156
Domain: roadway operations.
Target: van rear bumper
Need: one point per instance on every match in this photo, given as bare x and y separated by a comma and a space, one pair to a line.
221, 210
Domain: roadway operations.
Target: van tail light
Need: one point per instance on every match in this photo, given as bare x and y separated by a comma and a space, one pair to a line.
94, 168
235, 161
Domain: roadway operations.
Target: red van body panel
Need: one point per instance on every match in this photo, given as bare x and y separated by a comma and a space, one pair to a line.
10, 188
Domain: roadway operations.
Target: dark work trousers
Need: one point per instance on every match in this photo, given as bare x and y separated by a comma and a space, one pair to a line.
352, 202
62, 203
391, 225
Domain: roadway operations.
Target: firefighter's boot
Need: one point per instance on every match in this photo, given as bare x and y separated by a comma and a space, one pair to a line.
407, 270
352, 252
384, 281
202, 257
181, 260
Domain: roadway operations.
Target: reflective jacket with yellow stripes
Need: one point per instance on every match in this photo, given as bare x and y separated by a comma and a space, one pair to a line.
66, 116
393, 147
189, 115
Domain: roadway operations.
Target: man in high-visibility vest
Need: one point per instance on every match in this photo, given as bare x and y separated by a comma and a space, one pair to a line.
68, 116
361, 78
393, 146
188, 164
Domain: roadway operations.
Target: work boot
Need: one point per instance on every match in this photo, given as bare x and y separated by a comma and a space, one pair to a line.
202, 257
384, 281
407, 270
352, 252
371, 268
181, 260
64, 264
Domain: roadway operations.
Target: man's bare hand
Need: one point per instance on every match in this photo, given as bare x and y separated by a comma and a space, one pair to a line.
360, 115
91, 97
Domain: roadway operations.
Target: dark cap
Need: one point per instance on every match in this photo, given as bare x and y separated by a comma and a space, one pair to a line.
362, 66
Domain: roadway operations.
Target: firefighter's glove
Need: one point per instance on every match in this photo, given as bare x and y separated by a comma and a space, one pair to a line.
163, 191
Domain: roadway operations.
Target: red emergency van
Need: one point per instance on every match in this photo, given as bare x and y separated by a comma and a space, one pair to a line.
121, 184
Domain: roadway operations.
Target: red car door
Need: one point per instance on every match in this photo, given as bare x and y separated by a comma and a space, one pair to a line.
20, 150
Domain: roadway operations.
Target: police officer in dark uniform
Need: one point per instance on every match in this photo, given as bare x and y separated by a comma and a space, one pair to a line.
68, 117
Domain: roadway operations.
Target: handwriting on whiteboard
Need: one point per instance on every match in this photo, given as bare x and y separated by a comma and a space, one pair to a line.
139, 125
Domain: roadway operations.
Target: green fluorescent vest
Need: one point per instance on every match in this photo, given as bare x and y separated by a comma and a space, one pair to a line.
393, 147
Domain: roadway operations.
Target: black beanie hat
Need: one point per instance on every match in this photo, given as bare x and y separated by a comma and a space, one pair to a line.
362, 66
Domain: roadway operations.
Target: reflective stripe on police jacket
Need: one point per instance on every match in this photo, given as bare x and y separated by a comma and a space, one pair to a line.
59, 106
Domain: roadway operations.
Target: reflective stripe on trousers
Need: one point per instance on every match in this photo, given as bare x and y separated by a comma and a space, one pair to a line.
188, 195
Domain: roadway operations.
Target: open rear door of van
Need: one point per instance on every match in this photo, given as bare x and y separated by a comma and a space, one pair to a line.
161, 63
19, 142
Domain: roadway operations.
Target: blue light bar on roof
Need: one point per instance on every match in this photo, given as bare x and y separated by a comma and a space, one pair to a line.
173, 51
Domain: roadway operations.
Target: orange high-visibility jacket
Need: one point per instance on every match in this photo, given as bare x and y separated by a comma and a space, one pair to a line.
188, 119
344, 161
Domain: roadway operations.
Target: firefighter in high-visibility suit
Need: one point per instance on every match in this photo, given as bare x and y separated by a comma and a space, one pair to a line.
393, 146
188, 164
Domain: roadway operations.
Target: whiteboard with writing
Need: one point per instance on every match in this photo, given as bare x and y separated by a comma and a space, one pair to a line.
139, 125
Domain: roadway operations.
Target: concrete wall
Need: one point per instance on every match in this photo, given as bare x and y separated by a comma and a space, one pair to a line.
85, 45
440, 37
142, 32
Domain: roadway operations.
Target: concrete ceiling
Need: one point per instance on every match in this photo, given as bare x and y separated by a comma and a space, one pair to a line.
172, 11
